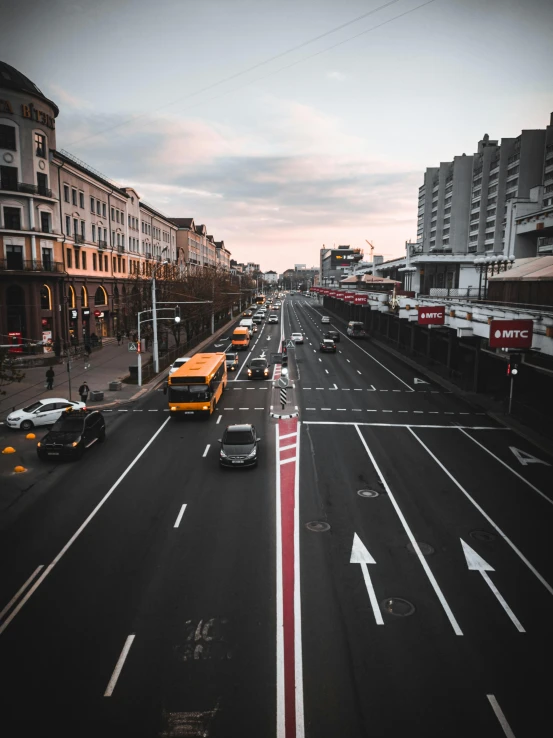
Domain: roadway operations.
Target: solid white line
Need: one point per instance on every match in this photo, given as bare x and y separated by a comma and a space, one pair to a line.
500, 716
485, 514
300, 720
411, 537
119, 666
288, 435
502, 602
401, 425
206, 450
285, 448
510, 468
280, 722
218, 419
75, 535
20, 591
288, 461
179, 517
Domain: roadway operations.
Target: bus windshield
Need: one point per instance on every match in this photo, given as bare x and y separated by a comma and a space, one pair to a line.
189, 393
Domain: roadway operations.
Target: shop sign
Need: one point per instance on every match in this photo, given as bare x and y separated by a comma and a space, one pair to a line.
73, 314
86, 312
47, 342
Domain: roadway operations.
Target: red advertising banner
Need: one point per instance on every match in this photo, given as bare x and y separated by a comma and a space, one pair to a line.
340, 294
332, 293
433, 315
360, 299
349, 297
511, 333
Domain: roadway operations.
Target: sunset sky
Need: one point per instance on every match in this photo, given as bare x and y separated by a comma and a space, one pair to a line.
298, 152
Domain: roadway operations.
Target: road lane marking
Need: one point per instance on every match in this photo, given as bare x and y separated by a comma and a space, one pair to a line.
119, 665
285, 448
243, 408
75, 535
360, 555
484, 513
500, 716
218, 419
358, 372
20, 591
206, 450
411, 537
326, 370
179, 516
545, 497
288, 435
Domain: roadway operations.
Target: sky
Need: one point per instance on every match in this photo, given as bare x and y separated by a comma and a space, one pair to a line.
284, 125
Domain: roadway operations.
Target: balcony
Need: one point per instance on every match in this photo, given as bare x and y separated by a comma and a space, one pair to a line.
28, 189
78, 239
121, 249
148, 254
102, 245
21, 265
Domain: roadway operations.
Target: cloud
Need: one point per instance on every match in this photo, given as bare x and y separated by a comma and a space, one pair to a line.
336, 75
63, 97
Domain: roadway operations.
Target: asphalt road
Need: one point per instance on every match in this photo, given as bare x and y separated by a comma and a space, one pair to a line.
107, 566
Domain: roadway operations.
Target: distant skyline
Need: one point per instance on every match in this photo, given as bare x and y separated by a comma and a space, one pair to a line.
279, 161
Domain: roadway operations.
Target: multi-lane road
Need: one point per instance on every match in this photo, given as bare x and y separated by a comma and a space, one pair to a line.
386, 569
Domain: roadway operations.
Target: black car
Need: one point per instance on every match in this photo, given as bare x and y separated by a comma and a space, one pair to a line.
258, 369
239, 446
333, 335
72, 434
328, 345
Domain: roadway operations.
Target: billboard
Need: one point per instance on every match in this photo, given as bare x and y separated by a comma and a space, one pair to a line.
349, 296
342, 258
511, 333
360, 299
433, 315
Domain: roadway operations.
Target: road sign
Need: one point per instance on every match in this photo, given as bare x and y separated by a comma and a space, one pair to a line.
290, 344
283, 397
131, 346
283, 382
511, 333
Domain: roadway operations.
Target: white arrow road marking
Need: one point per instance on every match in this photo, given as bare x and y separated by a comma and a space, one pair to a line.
416, 380
525, 458
360, 555
476, 563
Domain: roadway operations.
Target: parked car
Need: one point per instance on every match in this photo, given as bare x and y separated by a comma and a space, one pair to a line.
239, 446
273, 318
325, 319
43, 412
297, 337
178, 363
328, 346
334, 335
72, 434
232, 361
258, 369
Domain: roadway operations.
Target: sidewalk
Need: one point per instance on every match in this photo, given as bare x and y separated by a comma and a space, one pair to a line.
105, 365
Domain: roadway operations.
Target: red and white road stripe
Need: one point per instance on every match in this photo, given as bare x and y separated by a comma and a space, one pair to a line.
290, 718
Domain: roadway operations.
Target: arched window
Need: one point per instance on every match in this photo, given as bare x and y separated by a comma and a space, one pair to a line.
101, 296
45, 297
71, 295
84, 297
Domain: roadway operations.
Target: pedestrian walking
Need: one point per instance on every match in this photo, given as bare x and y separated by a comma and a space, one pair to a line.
50, 374
87, 350
83, 391
119, 339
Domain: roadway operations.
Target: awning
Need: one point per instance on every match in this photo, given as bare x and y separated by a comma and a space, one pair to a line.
535, 268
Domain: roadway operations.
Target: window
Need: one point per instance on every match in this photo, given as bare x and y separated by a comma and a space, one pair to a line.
119, 239
113, 238
98, 207
105, 263
81, 200
83, 229
114, 264
69, 258
7, 137
112, 214
105, 234
75, 226
42, 183
123, 264
67, 225
47, 258
117, 215
92, 205
45, 222
66, 193
40, 145
12, 218
129, 221
100, 262
74, 196
104, 210
93, 232
84, 259
123, 240
94, 262
8, 178
118, 264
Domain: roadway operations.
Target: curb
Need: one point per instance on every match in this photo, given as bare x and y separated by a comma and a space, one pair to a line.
284, 417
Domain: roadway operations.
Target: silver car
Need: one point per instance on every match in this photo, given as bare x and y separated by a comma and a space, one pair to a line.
43, 412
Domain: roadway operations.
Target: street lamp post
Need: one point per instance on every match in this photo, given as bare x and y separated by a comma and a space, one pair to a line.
154, 311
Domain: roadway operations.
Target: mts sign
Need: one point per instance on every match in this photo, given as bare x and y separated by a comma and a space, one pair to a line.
432, 315
511, 333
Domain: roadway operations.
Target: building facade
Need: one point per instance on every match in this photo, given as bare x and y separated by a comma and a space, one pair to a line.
335, 263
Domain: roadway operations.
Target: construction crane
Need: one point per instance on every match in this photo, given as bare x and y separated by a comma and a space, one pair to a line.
371, 247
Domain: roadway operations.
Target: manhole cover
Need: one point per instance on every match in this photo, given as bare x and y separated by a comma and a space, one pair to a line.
425, 548
318, 527
398, 606
367, 493
482, 535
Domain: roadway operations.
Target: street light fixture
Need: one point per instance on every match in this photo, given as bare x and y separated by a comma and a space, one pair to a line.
154, 316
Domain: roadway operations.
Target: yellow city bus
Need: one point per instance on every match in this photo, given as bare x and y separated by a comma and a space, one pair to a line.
260, 300
197, 386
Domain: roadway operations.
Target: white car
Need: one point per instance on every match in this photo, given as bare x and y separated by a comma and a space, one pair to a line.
325, 319
43, 412
297, 337
178, 363
273, 318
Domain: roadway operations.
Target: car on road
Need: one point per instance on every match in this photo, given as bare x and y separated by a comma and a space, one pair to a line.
334, 335
258, 369
297, 337
328, 346
273, 318
239, 446
232, 361
325, 319
178, 363
257, 319
247, 313
42, 412
72, 434
356, 329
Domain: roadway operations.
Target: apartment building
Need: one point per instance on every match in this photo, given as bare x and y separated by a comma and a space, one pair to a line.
198, 249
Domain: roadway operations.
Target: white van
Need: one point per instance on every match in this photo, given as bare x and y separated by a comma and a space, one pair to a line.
247, 323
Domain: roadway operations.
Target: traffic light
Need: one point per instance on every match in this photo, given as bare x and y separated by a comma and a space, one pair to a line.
177, 314
513, 365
